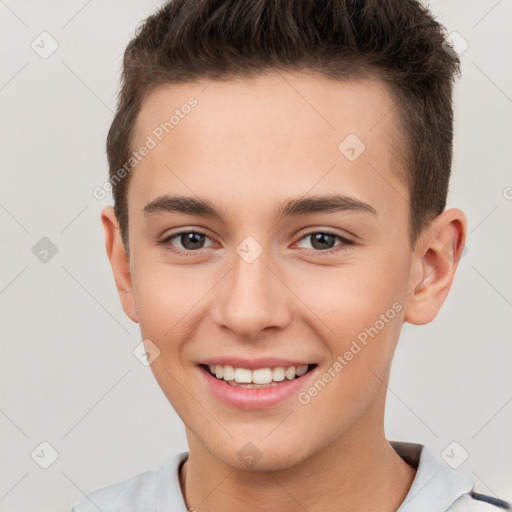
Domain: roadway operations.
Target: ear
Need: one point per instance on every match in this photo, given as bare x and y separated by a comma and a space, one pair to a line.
119, 262
435, 259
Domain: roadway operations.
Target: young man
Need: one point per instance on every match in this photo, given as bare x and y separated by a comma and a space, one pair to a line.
280, 172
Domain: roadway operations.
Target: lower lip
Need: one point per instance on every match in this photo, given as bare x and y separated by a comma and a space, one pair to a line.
254, 398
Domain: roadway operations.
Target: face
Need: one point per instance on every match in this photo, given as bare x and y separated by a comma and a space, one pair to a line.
268, 229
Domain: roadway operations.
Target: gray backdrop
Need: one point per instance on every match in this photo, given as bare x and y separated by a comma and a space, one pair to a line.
69, 377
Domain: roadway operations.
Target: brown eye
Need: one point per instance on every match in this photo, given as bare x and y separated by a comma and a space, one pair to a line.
191, 241
186, 242
325, 241
322, 241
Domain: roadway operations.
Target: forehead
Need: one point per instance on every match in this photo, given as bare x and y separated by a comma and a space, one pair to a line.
272, 102
280, 133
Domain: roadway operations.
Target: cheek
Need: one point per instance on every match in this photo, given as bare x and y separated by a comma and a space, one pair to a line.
364, 314
352, 297
165, 295
362, 305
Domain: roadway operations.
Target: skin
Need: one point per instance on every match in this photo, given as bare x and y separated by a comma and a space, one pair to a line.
248, 145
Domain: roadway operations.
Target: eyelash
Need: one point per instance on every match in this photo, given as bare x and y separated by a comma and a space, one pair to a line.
181, 252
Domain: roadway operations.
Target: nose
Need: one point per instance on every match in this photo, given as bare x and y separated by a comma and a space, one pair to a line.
252, 298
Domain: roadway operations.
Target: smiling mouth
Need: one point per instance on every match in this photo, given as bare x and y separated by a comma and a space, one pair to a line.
257, 378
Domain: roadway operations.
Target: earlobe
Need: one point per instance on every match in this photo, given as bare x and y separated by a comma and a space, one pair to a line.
119, 262
436, 258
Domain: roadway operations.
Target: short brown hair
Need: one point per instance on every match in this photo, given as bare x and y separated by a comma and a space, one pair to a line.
396, 41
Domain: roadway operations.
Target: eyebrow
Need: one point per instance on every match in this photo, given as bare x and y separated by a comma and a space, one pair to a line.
293, 207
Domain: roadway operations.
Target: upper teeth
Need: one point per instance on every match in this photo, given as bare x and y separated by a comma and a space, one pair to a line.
258, 376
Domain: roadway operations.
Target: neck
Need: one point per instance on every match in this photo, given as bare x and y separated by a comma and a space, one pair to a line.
359, 470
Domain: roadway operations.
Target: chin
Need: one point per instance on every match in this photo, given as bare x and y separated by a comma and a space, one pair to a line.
256, 454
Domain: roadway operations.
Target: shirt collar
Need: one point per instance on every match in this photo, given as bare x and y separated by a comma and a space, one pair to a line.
168, 495
435, 486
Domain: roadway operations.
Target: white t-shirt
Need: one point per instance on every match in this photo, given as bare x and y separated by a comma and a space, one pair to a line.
436, 488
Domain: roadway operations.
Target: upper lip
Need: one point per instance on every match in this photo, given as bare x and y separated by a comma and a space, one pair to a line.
253, 364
